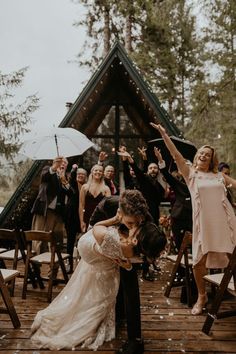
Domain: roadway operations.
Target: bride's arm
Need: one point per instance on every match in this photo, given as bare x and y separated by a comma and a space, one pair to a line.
99, 232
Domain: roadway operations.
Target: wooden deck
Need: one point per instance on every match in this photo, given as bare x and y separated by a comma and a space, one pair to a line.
167, 325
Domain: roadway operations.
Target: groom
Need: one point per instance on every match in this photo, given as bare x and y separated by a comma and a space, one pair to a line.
152, 239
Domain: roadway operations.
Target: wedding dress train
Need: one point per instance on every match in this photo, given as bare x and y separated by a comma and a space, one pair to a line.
84, 311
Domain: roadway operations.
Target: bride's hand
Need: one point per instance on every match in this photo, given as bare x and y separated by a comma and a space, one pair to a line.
118, 217
133, 235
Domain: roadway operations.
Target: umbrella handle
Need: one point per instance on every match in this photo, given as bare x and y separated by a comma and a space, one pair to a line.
55, 136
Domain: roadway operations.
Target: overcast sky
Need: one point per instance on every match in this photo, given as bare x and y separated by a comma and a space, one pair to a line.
40, 34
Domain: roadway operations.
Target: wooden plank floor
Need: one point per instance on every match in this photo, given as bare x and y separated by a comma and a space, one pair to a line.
167, 325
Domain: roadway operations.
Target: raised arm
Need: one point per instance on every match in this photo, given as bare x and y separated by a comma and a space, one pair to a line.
143, 154
163, 169
177, 156
126, 171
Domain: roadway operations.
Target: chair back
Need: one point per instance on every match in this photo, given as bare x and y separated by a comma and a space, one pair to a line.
34, 235
13, 239
9, 235
54, 258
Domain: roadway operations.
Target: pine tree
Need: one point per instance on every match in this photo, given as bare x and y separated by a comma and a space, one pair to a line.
215, 106
102, 29
169, 53
14, 120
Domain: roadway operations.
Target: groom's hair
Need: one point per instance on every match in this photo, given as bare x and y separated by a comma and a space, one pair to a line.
151, 240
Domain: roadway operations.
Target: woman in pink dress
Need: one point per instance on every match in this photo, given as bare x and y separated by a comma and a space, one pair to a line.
214, 221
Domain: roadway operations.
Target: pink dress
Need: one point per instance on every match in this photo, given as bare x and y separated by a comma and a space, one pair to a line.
214, 221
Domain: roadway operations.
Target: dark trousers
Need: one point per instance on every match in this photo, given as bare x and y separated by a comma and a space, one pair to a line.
130, 290
71, 233
179, 226
72, 227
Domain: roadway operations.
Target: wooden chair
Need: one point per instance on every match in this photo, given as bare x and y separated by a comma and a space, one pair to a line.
53, 259
6, 276
16, 239
224, 281
182, 259
12, 239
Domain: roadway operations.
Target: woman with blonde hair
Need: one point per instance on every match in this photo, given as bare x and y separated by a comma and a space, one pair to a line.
91, 194
214, 221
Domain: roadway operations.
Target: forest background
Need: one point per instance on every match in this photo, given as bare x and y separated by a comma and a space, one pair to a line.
185, 50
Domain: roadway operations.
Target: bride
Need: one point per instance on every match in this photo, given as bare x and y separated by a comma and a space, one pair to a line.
84, 311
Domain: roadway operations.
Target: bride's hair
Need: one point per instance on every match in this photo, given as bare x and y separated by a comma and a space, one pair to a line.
133, 203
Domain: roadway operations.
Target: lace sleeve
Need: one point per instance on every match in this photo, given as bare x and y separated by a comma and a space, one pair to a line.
110, 247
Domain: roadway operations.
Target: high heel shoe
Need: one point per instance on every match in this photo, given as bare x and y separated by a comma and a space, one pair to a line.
200, 304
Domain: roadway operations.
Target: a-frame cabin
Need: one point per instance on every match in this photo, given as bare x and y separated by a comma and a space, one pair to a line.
114, 108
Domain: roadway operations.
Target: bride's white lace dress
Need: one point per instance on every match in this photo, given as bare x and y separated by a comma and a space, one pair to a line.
84, 311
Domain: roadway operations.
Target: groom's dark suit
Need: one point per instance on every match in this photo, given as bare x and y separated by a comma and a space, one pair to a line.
106, 209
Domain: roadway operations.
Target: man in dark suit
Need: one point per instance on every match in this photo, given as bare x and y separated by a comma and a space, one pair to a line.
78, 176
109, 174
152, 240
151, 189
49, 206
181, 210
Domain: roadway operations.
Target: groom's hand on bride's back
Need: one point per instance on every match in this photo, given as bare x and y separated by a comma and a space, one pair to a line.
106, 209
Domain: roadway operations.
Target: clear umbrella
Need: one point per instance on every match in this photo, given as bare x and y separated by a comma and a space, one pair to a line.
58, 142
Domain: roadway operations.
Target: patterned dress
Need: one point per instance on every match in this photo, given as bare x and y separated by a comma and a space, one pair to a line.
84, 312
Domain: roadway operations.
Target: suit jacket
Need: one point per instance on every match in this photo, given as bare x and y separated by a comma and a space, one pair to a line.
106, 209
182, 207
72, 206
130, 182
50, 188
151, 189
108, 183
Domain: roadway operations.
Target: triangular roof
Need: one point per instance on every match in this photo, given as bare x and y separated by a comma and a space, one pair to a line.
118, 75
116, 80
